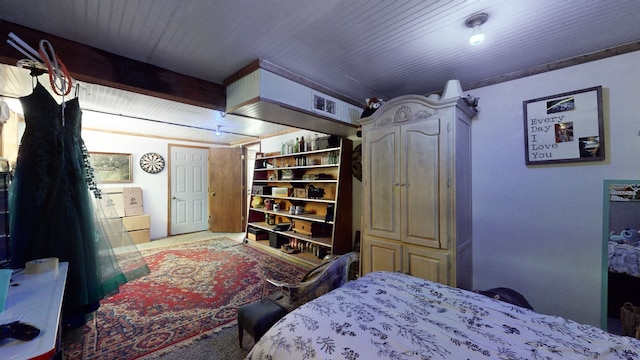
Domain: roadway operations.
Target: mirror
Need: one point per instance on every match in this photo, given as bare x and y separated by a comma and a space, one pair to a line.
621, 278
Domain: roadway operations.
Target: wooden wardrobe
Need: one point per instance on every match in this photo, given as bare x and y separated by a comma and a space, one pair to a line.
416, 177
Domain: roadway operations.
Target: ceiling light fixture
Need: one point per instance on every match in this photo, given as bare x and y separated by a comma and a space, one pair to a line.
474, 21
218, 133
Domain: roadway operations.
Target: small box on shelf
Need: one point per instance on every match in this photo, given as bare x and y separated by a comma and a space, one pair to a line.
261, 190
255, 234
312, 229
280, 191
300, 193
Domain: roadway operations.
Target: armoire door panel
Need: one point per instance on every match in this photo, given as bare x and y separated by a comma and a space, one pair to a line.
420, 183
382, 188
427, 264
381, 256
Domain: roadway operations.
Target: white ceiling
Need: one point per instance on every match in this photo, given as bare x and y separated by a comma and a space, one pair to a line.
358, 48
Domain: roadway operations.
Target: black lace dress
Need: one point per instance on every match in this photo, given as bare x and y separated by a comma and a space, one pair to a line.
52, 213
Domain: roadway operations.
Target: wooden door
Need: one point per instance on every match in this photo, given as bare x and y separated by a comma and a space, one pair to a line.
188, 190
420, 183
381, 180
226, 190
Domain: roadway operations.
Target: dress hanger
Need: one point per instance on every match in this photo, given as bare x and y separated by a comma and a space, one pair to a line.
58, 74
43, 61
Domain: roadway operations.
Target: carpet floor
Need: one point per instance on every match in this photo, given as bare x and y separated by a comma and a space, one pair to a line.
186, 307
221, 345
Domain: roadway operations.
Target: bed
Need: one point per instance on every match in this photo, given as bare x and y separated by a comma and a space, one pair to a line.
390, 315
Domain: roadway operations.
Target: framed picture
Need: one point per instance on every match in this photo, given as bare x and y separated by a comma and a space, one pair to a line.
564, 128
324, 105
111, 167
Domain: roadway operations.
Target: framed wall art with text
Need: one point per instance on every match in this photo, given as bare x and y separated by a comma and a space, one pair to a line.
564, 128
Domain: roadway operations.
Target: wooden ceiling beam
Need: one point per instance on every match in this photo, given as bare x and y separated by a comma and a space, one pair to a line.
91, 65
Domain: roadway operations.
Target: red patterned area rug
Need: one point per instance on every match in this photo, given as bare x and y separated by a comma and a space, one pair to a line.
193, 289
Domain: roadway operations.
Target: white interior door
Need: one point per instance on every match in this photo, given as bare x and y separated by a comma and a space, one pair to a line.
189, 193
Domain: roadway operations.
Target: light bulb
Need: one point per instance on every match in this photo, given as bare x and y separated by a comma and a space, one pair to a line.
477, 36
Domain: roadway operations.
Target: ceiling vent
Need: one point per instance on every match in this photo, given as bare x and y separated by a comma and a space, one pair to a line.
267, 92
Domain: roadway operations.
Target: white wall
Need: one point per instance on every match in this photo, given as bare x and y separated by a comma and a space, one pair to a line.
155, 187
538, 229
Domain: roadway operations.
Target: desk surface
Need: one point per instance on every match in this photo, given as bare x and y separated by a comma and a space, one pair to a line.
36, 300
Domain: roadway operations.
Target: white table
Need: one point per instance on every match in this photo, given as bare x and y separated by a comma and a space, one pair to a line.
36, 300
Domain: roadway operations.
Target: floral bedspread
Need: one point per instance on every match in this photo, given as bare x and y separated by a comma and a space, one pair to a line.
624, 258
388, 315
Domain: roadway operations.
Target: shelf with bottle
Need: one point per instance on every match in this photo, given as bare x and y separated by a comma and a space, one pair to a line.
300, 153
301, 167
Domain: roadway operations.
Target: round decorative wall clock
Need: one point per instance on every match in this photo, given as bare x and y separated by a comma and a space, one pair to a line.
152, 163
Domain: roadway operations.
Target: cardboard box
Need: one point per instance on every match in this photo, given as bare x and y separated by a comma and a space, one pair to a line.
115, 197
132, 197
132, 212
139, 222
140, 236
127, 201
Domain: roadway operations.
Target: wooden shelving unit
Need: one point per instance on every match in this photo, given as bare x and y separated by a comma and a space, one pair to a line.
297, 175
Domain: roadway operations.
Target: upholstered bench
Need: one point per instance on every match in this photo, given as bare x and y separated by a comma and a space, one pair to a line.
258, 317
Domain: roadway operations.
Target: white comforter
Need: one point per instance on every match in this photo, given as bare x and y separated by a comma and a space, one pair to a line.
386, 315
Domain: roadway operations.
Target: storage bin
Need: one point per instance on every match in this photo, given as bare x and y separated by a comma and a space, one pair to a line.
277, 240
255, 234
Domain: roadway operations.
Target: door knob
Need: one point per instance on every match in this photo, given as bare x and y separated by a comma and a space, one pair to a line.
213, 194
173, 198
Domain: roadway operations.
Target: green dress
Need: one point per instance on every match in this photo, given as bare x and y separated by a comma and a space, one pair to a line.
52, 212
